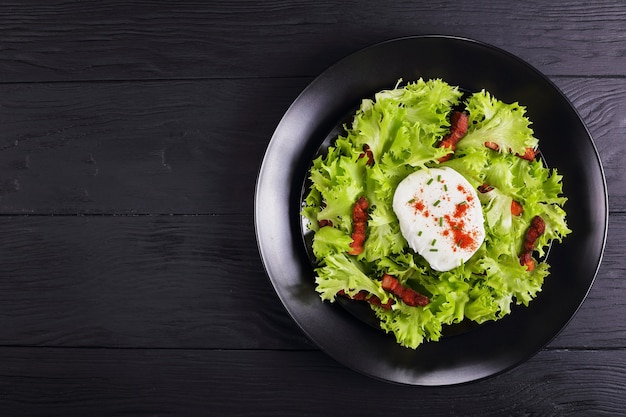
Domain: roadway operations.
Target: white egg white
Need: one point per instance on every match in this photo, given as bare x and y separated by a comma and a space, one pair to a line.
440, 216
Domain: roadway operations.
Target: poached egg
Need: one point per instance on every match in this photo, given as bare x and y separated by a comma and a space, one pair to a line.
440, 216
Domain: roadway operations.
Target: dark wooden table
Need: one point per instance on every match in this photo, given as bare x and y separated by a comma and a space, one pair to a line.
131, 136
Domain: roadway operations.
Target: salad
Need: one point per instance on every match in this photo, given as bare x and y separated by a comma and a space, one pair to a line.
417, 132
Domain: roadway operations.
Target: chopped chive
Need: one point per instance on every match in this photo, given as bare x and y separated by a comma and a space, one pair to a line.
430, 181
462, 203
441, 221
438, 177
419, 233
445, 187
411, 201
436, 203
434, 250
433, 242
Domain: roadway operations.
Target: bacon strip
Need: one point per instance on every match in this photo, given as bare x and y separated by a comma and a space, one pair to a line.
370, 298
408, 295
537, 228
529, 153
325, 222
492, 145
367, 152
359, 225
458, 129
485, 188
516, 208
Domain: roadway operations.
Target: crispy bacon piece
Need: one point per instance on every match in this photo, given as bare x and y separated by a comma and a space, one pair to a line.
526, 259
359, 225
492, 145
325, 222
408, 295
367, 152
516, 208
529, 153
458, 129
370, 298
484, 188
537, 228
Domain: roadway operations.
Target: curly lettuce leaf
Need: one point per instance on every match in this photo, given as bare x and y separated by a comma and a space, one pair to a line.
491, 120
428, 104
497, 211
392, 120
330, 241
412, 146
338, 183
471, 163
506, 276
384, 236
343, 273
409, 327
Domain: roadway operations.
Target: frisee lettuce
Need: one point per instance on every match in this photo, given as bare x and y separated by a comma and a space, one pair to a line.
499, 123
402, 127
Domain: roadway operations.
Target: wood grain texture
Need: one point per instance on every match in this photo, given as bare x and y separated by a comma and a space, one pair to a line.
147, 281
132, 132
167, 147
191, 282
602, 105
114, 39
68, 382
120, 147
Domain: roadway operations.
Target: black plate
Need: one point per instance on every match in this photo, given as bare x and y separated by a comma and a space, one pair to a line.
565, 144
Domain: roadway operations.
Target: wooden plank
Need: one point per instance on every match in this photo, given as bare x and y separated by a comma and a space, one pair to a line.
115, 40
159, 281
75, 382
602, 106
166, 147
154, 147
190, 282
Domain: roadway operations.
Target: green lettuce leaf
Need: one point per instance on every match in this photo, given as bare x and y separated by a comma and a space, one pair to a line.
491, 120
384, 236
410, 327
330, 241
343, 273
339, 182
